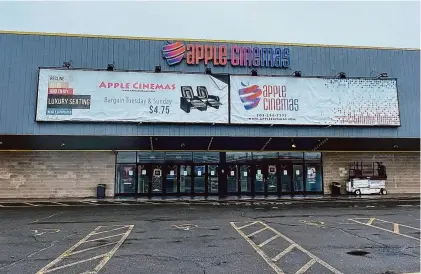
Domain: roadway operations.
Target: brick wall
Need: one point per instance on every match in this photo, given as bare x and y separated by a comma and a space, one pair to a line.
403, 169
55, 174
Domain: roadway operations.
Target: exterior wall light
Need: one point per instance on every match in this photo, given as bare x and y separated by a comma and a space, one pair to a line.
297, 73
208, 71
253, 72
158, 69
110, 67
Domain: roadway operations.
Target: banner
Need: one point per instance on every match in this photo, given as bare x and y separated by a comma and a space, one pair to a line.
108, 96
314, 101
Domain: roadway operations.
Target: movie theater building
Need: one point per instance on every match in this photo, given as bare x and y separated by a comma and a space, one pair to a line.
173, 117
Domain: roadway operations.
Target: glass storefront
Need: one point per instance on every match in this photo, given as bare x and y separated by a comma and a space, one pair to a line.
218, 173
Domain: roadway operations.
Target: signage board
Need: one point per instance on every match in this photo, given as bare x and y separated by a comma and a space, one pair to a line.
221, 55
314, 101
109, 96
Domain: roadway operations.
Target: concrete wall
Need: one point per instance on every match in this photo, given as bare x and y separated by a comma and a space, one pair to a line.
55, 174
403, 169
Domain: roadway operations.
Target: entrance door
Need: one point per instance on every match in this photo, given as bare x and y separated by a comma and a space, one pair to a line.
285, 174
144, 174
157, 179
266, 179
199, 179
213, 179
186, 172
171, 179
298, 178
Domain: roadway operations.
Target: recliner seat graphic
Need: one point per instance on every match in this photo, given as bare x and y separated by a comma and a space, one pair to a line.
189, 101
210, 100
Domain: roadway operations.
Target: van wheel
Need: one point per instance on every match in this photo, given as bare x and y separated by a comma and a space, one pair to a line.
383, 191
357, 192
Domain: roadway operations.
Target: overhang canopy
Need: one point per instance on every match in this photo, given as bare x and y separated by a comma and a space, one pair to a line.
201, 143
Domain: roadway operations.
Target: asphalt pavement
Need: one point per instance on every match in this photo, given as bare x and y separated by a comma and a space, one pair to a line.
158, 238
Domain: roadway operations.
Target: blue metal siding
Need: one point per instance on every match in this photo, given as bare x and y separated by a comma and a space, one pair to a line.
22, 55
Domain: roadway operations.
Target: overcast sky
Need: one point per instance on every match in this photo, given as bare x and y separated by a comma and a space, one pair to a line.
358, 23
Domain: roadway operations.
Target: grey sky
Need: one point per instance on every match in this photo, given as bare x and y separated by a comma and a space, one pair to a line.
377, 23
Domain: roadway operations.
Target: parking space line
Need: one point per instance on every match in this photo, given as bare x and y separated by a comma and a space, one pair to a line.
91, 248
395, 227
268, 240
285, 251
258, 250
29, 204
247, 225
306, 266
257, 232
71, 251
103, 238
270, 261
75, 263
114, 229
371, 221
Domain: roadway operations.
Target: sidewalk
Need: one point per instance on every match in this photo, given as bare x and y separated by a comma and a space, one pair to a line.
284, 201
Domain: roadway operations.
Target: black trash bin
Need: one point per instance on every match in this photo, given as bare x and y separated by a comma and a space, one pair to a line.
100, 191
336, 189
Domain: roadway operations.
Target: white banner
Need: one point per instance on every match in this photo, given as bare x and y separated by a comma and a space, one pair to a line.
314, 101
107, 96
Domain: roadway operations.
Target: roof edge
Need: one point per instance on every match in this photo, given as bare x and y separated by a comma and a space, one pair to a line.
197, 40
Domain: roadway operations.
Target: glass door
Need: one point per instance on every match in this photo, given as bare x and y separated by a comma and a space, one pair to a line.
232, 179
259, 179
126, 179
199, 179
157, 179
171, 179
185, 179
213, 184
144, 173
298, 178
285, 171
245, 179
272, 179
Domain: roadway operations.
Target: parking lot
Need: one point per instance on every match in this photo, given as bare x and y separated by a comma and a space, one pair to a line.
208, 239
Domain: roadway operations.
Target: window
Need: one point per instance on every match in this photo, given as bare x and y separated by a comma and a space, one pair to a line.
264, 155
178, 156
238, 156
206, 157
128, 157
312, 155
150, 157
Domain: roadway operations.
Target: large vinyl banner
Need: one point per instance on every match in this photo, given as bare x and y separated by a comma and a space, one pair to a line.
314, 101
105, 96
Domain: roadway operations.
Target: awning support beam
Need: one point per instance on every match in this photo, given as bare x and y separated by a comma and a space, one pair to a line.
267, 142
320, 144
151, 142
210, 143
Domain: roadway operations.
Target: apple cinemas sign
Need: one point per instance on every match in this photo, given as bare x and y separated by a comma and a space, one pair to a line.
221, 55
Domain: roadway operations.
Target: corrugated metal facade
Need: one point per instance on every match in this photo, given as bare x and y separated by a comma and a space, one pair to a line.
21, 56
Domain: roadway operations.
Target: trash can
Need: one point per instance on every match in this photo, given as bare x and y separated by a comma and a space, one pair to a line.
336, 189
100, 191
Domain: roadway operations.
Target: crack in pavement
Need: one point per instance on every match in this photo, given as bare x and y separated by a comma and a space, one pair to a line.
38, 251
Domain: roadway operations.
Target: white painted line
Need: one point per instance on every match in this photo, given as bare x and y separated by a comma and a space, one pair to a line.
66, 253
114, 229
285, 251
306, 267
29, 204
258, 250
293, 244
323, 263
91, 248
391, 231
371, 221
111, 253
383, 221
257, 232
75, 263
103, 238
268, 241
250, 224
89, 203
71, 251
59, 203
